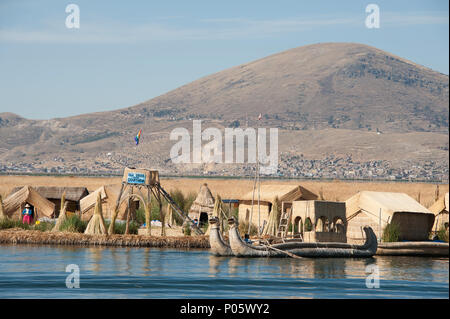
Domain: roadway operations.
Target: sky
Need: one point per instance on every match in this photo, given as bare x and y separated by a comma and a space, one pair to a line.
127, 52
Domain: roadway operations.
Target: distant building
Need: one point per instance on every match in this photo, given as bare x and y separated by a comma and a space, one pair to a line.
440, 209
286, 195
203, 205
73, 195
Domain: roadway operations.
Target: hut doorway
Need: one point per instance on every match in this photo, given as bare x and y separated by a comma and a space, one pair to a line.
338, 226
203, 219
322, 224
298, 227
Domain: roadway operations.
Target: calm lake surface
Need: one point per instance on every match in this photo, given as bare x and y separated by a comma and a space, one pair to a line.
40, 272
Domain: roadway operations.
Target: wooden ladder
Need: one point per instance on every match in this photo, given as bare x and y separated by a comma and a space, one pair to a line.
178, 210
284, 222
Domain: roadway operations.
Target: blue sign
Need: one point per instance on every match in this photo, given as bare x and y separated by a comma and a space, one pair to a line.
136, 178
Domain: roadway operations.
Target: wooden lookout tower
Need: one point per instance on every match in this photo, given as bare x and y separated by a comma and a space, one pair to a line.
144, 185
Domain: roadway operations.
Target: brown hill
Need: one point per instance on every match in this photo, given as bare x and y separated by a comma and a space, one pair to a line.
340, 85
325, 99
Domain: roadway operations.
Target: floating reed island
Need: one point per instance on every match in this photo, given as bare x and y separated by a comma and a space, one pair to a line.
20, 236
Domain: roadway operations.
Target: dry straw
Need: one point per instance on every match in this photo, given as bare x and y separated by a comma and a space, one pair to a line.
2, 214
274, 218
18, 236
62, 214
97, 225
170, 218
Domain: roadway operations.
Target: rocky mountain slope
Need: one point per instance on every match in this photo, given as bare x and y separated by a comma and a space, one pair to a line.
326, 100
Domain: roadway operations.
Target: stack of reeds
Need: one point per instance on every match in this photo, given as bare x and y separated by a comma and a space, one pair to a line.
97, 225
2, 214
170, 218
62, 213
274, 219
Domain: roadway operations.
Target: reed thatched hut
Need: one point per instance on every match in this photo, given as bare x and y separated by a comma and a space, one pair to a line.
54, 194
440, 210
378, 209
285, 193
108, 195
14, 204
319, 221
203, 206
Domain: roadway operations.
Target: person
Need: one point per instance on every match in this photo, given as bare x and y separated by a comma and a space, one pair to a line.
247, 239
27, 214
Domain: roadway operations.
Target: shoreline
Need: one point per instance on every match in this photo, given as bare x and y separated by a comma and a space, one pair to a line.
35, 237
17, 236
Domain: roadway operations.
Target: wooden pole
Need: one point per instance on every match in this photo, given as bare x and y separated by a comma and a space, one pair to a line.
161, 216
379, 230
127, 227
148, 210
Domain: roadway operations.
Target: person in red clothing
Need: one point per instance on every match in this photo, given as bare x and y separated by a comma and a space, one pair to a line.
27, 214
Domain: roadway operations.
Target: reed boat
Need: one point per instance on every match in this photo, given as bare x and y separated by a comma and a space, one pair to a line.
302, 249
418, 248
218, 245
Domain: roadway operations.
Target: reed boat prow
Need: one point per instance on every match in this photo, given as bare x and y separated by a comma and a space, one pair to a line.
218, 246
302, 249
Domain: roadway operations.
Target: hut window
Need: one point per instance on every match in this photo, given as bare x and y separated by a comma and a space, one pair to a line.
247, 215
308, 225
338, 226
298, 225
322, 224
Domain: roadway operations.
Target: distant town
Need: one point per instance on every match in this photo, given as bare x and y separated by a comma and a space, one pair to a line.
290, 166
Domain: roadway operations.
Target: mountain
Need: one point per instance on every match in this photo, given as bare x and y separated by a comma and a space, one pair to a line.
334, 94
341, 85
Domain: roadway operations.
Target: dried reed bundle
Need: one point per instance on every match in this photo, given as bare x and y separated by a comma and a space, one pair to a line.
2, 214
62, 214
170, 218
97, 225
274, 219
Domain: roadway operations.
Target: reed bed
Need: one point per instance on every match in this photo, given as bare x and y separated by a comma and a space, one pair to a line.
234, 188
20, 236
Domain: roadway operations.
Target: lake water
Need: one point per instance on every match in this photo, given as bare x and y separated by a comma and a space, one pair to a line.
40, 272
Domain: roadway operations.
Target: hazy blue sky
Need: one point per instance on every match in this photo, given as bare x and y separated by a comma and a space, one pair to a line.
126, 52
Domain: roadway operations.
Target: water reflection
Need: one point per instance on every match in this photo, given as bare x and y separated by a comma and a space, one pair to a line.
216, 263
146, 269
165, 273
410, 268
95, 254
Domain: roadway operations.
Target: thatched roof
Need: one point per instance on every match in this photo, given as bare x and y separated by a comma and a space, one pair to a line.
440, 205
89, 201
204, 201
389, 203
285, 193
109, 195
55, 192
27, 194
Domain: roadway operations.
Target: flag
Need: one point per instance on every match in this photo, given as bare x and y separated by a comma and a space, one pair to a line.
137, 137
